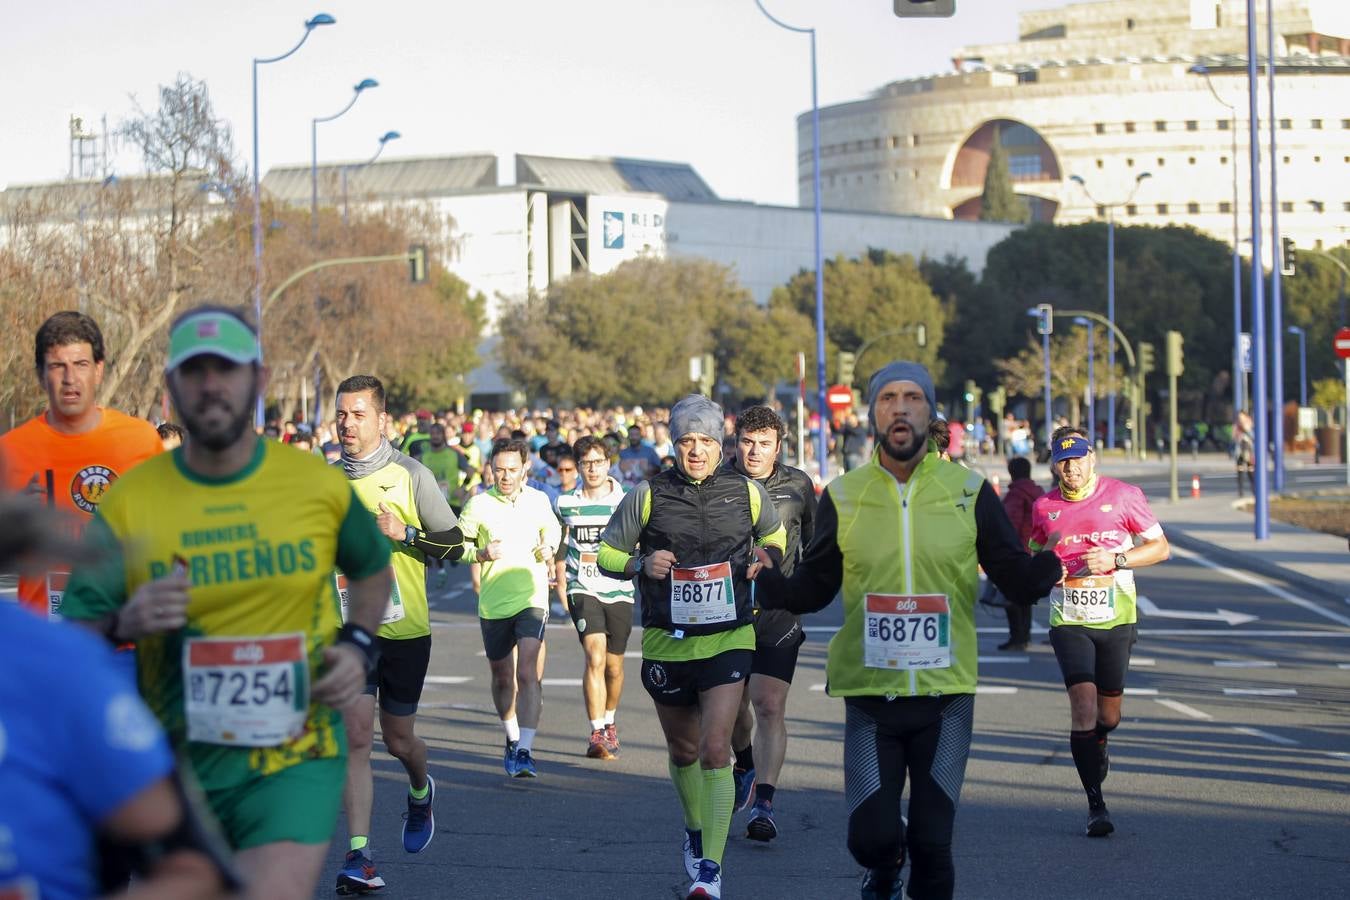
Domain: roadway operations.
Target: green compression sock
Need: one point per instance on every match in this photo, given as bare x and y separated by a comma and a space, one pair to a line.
689, 786
719, 795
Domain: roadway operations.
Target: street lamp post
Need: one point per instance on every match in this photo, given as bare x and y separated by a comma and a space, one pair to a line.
1260, 488
384, 139
1092, 388
310, 25
1049, 399
1302, 365
1111, 296
314, 152
1239, 377
823, 443
1277, 263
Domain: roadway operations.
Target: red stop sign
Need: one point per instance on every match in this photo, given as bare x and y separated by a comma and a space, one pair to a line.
1341, 343
839, 397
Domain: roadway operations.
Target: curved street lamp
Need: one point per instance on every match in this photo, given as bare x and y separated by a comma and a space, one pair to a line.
1092, 387
310, 25
362, 85
1111, 290
346, 170
823, 443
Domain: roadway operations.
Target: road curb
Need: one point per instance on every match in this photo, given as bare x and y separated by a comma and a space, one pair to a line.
1236, 559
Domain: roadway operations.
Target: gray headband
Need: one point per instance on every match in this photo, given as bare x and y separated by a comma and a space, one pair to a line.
900, 370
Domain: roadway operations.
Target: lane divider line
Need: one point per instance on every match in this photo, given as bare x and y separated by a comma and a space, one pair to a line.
1246, 663
1265, 735
1260, 692
1266, 586
1178, 706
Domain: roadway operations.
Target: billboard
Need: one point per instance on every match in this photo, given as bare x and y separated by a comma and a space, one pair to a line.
623, 227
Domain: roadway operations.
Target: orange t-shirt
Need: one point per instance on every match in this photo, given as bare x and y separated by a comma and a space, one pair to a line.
77, 468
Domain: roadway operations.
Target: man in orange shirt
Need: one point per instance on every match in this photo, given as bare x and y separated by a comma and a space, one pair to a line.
71, 453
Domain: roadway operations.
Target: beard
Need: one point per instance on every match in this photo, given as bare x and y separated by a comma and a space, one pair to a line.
214, 435
909, 449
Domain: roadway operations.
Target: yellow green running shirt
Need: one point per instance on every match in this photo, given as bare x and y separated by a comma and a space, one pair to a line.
260, 547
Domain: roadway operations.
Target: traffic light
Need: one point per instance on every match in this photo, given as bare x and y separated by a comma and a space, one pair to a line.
417, 263
846, 361
970, 390
998, 400
1288, 257
1146, 361
1045, 318
925, 9
1174, 353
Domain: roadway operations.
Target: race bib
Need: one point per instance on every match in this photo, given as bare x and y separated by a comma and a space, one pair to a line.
1088, 599
392, 612
56, 591
702, 595
245, 692
588, 568
907, 631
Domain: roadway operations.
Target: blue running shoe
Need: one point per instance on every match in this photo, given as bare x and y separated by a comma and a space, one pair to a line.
745, 788
525, 764
419, 822
509, 759
358, 875
708, 884
761, 826
693, 852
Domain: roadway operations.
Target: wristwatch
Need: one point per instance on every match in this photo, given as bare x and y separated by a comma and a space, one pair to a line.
409, 535
1121, 561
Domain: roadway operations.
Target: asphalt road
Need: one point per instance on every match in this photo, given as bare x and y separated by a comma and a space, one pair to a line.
1230, 773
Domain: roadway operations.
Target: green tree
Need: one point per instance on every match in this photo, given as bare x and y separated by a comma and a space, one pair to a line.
1024, 374
999, 202
627, 336
873, 302
1313, 300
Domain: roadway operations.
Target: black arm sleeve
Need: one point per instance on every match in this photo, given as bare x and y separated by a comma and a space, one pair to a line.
1022, 578
816, 579
447, 544
808, 523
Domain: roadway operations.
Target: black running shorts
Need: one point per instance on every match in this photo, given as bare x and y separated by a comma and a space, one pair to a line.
613, 620
1097, 655
398, 675
501, 635
680, 683
778, 638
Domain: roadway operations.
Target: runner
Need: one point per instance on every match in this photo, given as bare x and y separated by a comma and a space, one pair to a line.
403, 496
448, 464
695, 527
516, 536
218, 563
70, 454
601, 607
778, 634
1102, 530
83, 758
903, 535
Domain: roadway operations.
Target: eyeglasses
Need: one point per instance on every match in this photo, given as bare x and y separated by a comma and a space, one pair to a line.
594, 463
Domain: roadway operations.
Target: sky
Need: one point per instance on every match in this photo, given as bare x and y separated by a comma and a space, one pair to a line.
709, 82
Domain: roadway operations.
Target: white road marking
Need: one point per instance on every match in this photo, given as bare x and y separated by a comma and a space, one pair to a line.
1260, 692
447, 679
1263, 585
1143, 661
1319, 478
818, 687
1246, 663
561, 682
1185, 710
1005, 659
1142, 692
1152, 610
1228, 632
995, 689
1338, 754
1266, 735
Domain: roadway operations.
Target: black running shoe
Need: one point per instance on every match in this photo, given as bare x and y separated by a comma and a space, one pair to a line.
1099, 823
882, 884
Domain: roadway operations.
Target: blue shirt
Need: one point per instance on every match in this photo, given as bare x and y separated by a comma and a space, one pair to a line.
76, 743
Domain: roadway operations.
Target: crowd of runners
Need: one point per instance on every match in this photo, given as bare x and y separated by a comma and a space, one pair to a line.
244, 605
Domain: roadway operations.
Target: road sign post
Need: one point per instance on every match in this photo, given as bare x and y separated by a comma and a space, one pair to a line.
1341, 344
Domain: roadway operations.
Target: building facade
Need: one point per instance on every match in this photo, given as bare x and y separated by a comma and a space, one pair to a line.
1106, 93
